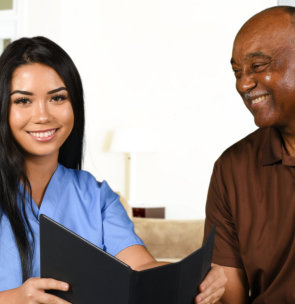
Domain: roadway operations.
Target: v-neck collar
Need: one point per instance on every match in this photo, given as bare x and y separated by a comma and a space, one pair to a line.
50, 199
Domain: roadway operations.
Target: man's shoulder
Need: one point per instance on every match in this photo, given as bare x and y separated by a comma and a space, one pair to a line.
254, 139
249, 147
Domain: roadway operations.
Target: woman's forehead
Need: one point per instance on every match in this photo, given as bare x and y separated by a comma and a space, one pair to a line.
30, 75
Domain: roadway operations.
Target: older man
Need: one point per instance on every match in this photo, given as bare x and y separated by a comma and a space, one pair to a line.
252, 191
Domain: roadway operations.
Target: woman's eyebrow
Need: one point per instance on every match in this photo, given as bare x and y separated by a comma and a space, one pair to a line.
20, 92
57, 90
30, 93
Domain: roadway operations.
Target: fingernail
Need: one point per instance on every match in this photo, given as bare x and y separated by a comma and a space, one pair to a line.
65, 286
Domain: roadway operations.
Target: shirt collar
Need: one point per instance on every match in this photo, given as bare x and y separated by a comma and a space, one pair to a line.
274, 150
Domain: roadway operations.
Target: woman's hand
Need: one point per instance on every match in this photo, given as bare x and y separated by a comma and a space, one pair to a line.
33, 292
213, 286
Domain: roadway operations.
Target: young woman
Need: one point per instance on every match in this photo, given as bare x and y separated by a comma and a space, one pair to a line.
41, 145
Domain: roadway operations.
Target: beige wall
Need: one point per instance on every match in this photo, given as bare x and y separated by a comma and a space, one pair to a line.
5, 4
160, 64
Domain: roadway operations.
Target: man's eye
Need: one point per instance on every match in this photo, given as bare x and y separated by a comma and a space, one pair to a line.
22, 100
59, 98
259, 66
237, 72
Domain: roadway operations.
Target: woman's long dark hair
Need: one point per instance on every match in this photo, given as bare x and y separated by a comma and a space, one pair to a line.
12, 170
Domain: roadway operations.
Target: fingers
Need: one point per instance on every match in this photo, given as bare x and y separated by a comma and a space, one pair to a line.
47, 284
211, 297
213, 286
50, 299
33, 291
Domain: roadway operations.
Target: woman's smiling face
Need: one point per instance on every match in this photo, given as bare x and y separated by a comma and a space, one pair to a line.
41, 115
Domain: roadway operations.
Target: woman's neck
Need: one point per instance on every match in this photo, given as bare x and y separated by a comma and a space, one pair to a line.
39, 172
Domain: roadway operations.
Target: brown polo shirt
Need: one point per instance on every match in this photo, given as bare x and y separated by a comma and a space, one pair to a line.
251, 199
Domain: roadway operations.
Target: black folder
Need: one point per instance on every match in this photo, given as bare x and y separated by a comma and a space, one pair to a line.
98, 277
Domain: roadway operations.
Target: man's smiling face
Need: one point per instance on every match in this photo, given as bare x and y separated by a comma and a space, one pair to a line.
263, 60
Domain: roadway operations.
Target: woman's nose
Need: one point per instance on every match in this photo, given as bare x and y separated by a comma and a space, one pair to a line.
41, 112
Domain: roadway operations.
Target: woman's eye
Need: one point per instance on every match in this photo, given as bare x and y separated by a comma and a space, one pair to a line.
59, 98
22, 100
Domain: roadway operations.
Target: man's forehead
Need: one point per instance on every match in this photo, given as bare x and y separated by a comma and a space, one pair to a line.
270, 17
263, 37
274, 22
257, 54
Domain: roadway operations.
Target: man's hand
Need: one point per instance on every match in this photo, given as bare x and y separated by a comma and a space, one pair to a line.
213, 286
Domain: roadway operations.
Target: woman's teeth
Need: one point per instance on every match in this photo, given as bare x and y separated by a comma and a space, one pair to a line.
43, 134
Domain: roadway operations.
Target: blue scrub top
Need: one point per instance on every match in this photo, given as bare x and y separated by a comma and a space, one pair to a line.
77, 201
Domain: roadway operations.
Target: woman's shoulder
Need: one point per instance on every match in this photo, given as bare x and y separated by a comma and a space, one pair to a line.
75, 174
84, 179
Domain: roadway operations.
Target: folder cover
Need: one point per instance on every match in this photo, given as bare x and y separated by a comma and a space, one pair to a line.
98, 277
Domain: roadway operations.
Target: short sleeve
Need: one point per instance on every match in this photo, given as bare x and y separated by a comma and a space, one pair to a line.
118, 229
218, 211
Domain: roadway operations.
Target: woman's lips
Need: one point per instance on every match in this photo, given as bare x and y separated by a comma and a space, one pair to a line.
45, 135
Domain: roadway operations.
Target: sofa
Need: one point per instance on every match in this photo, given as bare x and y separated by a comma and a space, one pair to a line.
167, 240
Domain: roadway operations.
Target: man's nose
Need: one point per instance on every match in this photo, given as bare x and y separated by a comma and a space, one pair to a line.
246, 83
41, 112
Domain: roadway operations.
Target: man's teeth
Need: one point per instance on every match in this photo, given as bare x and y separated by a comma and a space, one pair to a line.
43, 134
259, 99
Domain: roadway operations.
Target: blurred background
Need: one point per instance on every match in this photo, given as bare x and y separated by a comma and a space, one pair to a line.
157, 70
